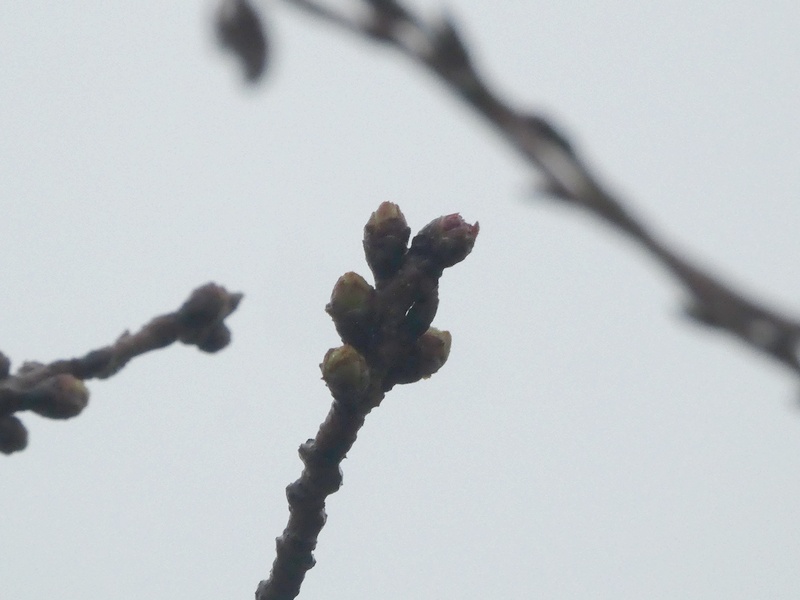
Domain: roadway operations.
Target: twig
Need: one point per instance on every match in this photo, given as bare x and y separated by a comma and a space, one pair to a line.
439, 48
56, 390
387, 341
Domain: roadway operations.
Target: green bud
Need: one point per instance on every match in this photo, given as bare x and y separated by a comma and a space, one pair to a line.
434, 348
429, 354
345, 372
351, 295
352, 308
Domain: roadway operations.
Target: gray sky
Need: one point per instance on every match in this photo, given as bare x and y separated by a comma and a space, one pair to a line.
583, 441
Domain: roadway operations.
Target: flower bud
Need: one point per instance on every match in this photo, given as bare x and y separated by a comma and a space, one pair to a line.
351, 295
430, 353
434, 348
217, 338
13, 435
352, 308
445, 241
386, 240
203, 311
59, 397
345, 371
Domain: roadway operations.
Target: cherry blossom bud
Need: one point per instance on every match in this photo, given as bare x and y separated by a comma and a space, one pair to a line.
201, 316
351, 295
434, 348
352, 308
386, 240
217, 338
13, 435
430, 353
345, 372
208, 304
59, 397
445, 241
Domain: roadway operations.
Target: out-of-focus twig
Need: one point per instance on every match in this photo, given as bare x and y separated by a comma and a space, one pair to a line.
56, 390
439, 48
240, 29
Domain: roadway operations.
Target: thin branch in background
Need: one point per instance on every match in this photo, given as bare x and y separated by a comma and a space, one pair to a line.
388, 340
56, 390
439, 48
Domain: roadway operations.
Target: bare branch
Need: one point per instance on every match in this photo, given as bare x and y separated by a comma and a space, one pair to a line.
327, 14
56, 390
441, 50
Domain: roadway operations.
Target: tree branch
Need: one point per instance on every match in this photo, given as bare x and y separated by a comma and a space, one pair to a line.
388, 340
439, 48
56, 390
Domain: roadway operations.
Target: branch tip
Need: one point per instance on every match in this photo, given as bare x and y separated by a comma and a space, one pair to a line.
240, 30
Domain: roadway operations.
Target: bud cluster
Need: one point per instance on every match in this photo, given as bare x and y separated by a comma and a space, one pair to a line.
201, 318
387, 329
387, 339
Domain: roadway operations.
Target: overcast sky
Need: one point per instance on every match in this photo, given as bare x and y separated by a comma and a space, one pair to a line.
583, 441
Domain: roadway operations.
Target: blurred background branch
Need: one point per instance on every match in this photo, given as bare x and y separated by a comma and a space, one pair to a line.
56, 390
437, 46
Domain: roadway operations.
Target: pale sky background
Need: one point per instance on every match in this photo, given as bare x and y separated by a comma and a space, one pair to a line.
583, 440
